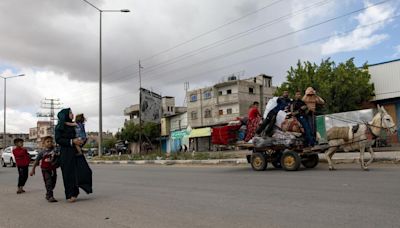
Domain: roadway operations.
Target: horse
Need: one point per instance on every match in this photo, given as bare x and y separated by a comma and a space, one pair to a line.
356, 138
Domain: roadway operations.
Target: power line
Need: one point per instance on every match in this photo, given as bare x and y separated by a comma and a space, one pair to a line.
213, 30
239, 35
223, 41
283, 50
267, 41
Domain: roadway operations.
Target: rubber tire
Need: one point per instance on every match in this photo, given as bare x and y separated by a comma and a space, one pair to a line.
311, 161
258, 157
3, 164
292, 159
12, 163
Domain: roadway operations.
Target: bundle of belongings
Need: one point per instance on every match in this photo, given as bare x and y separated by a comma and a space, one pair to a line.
278, 128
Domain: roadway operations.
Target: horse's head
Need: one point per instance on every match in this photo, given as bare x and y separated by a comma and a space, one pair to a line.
386, 120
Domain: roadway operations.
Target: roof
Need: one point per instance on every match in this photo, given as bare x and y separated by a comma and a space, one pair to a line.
390, 61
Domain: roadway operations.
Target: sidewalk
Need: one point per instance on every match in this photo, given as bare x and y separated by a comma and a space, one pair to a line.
393, 156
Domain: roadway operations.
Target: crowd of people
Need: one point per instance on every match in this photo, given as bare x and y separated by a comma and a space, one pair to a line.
302, 108
70, 136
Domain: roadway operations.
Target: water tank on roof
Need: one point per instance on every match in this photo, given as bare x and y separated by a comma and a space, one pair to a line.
232, 78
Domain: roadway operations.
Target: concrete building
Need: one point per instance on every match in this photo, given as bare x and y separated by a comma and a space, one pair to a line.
386, 79
218, 104
10, 138
42, 129
223, 102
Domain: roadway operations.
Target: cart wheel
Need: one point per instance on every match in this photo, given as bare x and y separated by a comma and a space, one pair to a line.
290, 161
311, 161
258, 162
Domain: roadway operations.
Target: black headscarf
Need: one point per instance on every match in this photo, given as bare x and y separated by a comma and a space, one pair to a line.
63, 117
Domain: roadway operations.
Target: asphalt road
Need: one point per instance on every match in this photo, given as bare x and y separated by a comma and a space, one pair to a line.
177, 196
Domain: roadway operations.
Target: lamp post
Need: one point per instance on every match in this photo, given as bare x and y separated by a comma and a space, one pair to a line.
100, 75
5, 104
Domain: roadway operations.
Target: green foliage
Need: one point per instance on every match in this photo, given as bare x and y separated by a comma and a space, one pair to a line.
344, 87
109, 143
130, 132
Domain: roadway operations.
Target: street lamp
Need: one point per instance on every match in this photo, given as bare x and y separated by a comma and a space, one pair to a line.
5, 104
100, 76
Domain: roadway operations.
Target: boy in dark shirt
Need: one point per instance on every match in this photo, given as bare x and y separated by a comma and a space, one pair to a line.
48, 170
22, 159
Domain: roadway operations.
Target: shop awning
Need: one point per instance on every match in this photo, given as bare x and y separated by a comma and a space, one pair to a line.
200, 132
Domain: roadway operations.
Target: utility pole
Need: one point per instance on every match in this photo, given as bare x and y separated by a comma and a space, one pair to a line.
140, 108
51, 105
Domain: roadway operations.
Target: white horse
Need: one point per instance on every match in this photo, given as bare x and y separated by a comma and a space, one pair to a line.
345, 138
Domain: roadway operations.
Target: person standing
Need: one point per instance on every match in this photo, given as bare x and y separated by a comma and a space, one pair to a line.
22, 159
66, 137
312, 100
300, 111
253, 122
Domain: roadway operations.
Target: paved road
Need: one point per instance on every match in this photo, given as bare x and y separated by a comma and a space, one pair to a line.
175, 196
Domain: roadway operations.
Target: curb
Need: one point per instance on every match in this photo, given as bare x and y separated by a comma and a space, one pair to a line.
229, 161
174, 162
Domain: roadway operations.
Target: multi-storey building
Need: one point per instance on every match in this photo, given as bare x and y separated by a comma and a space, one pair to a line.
42, 129
223, 102
219, 104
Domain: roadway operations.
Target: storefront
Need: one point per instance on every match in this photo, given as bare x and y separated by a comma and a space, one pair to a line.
200, 139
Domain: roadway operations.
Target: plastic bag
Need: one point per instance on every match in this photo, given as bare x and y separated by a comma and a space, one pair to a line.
270, 105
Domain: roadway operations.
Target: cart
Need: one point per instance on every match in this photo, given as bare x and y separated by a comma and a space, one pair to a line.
288, 157
224, 137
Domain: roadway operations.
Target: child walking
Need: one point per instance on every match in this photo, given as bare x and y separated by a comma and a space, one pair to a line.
49, 172
79, 125
22, 159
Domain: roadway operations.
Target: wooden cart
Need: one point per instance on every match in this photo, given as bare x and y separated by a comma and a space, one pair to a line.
281, 156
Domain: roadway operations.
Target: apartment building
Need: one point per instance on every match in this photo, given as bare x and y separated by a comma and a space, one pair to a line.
223, 102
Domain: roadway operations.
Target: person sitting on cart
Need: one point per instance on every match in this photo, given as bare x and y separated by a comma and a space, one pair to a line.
300, 111
283, 103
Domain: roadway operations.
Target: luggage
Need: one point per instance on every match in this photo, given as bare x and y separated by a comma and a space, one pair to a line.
225, 135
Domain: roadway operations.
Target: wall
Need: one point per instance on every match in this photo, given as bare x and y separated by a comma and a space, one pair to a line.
386, 79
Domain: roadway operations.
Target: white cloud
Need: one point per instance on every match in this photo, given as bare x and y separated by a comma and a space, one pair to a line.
363, 37
397, 51
18, 121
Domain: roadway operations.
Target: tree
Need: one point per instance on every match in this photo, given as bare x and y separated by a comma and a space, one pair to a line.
109, 143
130, 132
344, 87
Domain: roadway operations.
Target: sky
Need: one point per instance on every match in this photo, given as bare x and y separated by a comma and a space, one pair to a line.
56, 45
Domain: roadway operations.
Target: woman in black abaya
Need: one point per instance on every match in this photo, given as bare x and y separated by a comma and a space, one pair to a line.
74, 168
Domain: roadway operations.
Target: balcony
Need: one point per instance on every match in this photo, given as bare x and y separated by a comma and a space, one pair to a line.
228, 99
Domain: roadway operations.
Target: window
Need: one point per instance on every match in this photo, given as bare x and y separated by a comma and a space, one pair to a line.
207, 113
172, 109
229, 91
221, 112
193, 98
194, 115
207, 95
251, 90
229, 111
168, 108
220, 93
